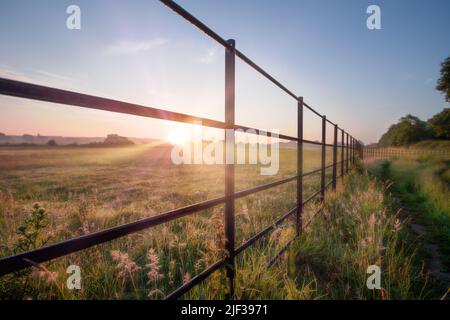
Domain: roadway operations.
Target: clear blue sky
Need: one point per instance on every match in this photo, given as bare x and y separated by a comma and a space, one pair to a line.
140, 51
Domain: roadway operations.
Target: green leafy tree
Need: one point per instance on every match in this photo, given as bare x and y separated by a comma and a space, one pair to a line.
443, 84
440, 124
408, 130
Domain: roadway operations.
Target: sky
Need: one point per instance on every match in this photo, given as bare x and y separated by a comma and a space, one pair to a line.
142, 52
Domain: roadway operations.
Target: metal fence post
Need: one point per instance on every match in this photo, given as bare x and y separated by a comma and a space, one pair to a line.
299, 164
36, 92
353, 151
322, 176
346, 154
342, 154
350, 151
335, 156
229, 164
359, 151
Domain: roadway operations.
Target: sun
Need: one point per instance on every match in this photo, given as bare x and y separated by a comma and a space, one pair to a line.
179, 136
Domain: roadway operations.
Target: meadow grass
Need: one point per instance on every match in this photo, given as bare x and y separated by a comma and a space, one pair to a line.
423, 186
83, 190
359, 228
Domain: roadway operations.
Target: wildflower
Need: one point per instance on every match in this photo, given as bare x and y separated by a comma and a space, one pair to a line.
173, 242
383, 294
124, 263
372, 220
153, 275
155, 292
383, 215
85, 227
397, 225
244, 212
198, 264
52, 276
199, 193
186, 277
362, 243
41, 272
275, 234
217, 224
170, 276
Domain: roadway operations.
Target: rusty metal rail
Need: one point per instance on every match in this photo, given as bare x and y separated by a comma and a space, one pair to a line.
349, 149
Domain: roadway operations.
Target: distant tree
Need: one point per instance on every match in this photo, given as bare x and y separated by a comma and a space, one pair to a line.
2, 134
408, 130
27, 138
440, 124
443, 83
52, 143
116, 140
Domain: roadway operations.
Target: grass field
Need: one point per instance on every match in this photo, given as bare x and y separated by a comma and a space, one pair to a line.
84, 190
424, 187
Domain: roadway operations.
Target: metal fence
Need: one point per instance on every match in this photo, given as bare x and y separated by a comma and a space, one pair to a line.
350, 151
393, 153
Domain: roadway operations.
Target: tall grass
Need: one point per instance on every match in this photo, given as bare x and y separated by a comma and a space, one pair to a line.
329, 260
423, 186
358, 229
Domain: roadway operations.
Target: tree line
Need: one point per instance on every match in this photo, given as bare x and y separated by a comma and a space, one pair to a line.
410, 129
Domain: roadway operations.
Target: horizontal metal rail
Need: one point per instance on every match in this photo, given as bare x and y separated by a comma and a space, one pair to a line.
266, 186
312, 142
53, 251
37, 92
203, 27
53, 95
263, 132
177, 293
318, 170
311, 197
317, 143
279, 253
26, 90
208, 31
208, 271
313, 216
312, 172
330, 122
264, 231
18, 262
